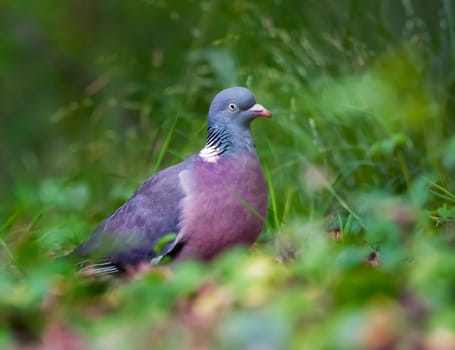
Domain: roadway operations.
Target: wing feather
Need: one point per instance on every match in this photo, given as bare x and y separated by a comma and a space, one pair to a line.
129, 235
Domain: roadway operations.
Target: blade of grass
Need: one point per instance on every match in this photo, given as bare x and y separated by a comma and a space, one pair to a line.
345, 205
272, 196
164, 147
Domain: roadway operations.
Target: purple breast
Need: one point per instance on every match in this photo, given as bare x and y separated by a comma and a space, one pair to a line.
226, 205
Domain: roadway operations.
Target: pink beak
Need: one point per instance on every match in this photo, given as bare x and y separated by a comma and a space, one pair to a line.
260, 111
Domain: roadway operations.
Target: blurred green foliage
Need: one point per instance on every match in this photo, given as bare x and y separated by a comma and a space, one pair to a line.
358, 250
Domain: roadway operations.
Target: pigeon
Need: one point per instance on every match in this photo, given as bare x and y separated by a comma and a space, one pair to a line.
214, 200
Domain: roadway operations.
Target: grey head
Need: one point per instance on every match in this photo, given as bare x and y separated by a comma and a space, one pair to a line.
235, 106
229, 119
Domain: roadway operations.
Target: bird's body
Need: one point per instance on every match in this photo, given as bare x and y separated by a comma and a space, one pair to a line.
211, 201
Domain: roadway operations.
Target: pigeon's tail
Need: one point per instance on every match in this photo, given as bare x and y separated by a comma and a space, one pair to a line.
117, 264
87, 267
100, 268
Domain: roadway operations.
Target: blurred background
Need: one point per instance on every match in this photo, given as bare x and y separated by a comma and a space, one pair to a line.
357, 252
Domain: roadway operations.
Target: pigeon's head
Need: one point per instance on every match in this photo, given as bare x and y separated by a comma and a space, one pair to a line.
236, 106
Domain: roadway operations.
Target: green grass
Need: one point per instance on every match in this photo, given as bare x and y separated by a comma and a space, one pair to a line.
357, 252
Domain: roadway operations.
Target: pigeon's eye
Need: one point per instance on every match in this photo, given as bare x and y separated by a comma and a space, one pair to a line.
232, 106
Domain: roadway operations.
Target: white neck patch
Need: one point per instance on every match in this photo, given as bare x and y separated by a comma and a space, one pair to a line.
209, 154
